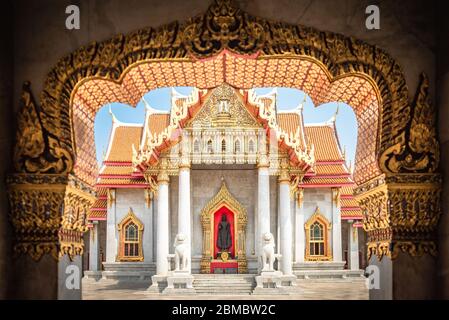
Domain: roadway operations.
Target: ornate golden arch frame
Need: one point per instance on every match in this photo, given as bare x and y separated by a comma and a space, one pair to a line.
401, 204
224, 198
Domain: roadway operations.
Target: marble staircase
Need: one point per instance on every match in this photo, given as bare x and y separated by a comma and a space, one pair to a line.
325, 270
224, 284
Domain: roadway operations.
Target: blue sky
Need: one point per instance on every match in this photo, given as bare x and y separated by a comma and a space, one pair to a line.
287, 99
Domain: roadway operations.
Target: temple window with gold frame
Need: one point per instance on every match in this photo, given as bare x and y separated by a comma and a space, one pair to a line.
317, 237
131, 232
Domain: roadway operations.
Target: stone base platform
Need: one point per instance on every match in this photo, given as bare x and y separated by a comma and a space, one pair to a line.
324, 270
128, 271
330, 274
318, 265
274, 283
158, 284
179, 283
93, 275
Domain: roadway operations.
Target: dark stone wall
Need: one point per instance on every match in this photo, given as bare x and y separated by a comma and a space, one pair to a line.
6, 137
442, 99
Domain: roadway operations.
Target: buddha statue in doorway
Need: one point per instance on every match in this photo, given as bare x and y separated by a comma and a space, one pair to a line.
224, 237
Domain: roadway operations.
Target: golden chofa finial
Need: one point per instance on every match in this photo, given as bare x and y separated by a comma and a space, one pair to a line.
334, 118
114, 119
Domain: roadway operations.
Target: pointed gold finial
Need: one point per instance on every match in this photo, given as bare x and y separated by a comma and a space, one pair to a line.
334, 118
114, 119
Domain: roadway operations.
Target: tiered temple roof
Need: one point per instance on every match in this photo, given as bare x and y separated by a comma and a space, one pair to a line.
328, 171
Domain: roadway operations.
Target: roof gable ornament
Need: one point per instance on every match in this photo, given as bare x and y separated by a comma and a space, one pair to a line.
223, 108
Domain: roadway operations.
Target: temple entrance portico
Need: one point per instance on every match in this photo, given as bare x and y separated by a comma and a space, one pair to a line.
397, 162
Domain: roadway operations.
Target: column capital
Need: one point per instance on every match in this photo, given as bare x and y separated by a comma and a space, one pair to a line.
284, 176
263, 161
110, 193
162, 177
184, 163
336, 193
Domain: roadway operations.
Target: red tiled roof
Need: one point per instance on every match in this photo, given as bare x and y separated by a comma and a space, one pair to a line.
325, 141
123, 137
157, 122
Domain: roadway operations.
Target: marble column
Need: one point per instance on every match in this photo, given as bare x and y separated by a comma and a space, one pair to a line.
162, 224
184, 208
93, 247
353, 252
111, 228
300, 240
336, 226
263, 201
147, 219
285, 223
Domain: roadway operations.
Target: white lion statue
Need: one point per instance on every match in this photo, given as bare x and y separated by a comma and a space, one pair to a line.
268, 254
181, 252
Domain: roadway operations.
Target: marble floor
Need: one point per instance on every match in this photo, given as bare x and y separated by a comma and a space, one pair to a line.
326, 289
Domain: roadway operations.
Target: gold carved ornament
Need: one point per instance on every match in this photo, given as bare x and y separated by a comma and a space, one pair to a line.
36, 218
401, 214
224, 198
44, 142
48, 213
110, 195
77, 204
37, 149
416, 149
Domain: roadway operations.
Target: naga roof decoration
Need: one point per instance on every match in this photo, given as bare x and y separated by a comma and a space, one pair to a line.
184, 109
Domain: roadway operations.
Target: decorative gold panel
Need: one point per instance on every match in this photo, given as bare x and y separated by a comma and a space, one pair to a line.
48, 213
401, 214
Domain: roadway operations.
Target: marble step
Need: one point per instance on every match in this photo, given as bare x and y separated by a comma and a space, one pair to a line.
224, 284
222, 276
223, 293
234, 285
215, 286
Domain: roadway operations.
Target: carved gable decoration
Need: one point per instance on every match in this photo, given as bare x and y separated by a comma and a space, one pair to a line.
223, 108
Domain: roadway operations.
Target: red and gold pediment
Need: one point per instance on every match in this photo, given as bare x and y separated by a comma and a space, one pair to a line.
223, 108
